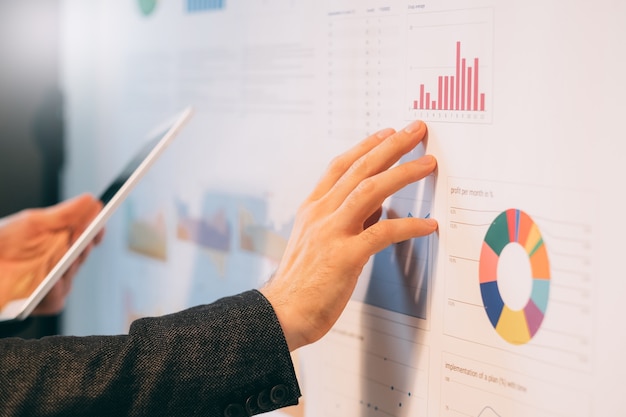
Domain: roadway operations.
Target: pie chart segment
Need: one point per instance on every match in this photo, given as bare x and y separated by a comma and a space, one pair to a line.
539, 295
488, 264
534, 317
498, 234
513, 326
533, 241
514, 227
539, 264
512, 223
492, 300
525, 225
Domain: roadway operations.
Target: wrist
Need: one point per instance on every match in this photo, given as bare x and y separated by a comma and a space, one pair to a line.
290, 327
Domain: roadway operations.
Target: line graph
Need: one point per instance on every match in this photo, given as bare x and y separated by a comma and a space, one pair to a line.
401, 273
475, 388
370, 366
488, 412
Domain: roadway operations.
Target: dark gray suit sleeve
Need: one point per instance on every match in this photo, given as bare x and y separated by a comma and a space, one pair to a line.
228, 358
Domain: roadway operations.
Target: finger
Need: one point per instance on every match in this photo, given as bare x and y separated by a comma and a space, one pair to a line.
73, 215
338, 167
386, 232
372, 192
89, 213
56, 248
64, 214
378, 159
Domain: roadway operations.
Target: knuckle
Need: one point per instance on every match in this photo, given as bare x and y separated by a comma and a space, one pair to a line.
338, 165
360, 165
366, 187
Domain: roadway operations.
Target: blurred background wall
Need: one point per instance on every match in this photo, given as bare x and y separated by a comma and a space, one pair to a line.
31, 123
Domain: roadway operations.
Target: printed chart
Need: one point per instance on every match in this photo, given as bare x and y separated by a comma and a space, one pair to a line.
449, 74
204, 5
514, 227
478, 389
368, 366
518, 271
401, 273
364, 64
376, 341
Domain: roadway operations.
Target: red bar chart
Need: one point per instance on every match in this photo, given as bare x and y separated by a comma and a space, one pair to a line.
455, 92
449, 66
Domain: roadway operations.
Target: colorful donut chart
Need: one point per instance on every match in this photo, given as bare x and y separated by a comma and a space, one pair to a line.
514, 227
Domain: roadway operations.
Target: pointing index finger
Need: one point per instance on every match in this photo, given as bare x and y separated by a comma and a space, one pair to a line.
377, 160
338, 166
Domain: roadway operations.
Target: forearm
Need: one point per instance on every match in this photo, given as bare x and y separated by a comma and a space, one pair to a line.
197, 362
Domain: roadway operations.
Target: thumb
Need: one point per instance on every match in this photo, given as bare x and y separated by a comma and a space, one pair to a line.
73, 214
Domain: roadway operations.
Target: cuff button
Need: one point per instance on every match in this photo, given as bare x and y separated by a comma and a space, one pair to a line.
278, 394
252, 406
235, 410
264, 401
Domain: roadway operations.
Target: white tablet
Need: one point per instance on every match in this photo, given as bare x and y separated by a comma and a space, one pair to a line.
158, 139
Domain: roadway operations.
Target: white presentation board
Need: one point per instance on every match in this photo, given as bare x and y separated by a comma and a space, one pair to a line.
511, 310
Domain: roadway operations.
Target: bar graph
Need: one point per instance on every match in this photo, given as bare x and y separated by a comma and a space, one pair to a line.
449, 74
455, 92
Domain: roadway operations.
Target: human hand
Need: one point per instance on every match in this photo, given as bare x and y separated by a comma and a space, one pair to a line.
33, 240
337, 230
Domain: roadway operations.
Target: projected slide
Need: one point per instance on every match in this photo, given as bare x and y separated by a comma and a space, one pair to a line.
519, 277
213, 233
449, 71
146, 235
258, 238
232, 244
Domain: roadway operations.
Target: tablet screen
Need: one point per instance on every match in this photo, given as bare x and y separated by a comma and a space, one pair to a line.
29, 290
128, 170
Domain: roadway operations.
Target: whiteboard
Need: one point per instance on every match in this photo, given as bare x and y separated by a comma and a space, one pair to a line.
511, 310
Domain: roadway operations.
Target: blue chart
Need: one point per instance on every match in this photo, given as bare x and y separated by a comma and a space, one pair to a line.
204, 5
401, 273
